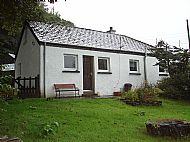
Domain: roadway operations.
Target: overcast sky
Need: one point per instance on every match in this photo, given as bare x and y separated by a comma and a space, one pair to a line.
145, 20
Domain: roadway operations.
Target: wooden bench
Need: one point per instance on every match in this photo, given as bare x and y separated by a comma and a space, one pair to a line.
66, 87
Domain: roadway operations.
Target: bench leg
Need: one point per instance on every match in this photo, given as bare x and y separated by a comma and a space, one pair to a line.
56, 94
59, 94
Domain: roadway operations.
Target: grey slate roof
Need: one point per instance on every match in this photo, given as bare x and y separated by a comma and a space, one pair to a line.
59, 34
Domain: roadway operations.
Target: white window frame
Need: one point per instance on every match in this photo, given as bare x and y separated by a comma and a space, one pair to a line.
76, 62
108, 64
138, 66
163, 72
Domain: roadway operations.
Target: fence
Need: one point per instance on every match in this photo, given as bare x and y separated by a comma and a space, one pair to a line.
28, 87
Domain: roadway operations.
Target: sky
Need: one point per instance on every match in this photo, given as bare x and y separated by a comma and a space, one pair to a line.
145, 20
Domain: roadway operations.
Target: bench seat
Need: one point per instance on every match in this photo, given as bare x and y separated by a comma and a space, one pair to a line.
66, 87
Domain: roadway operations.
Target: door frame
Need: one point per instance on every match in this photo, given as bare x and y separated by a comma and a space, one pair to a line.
93, 72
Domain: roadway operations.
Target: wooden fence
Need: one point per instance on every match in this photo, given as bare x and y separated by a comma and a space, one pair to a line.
28, 87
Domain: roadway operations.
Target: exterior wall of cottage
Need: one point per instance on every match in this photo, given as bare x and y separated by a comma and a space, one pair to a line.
28, 58
105, 84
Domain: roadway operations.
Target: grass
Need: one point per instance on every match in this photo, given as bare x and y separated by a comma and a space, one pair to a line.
84, 120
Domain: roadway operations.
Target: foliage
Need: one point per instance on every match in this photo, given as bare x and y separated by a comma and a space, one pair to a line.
177, 62
6, 79
146, 93
84, 120
2, 67
130, 95
50, 1
13, 13
49, 129
177, 86
6, 90
174, 60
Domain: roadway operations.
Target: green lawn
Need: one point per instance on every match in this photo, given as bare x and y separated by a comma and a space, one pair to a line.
85, 120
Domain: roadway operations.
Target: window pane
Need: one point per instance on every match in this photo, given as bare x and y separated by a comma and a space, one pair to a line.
133, 65
69, 61
161, 69
103, 64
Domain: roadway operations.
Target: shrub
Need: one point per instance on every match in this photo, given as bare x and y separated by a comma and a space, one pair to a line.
6, 90
6, 79
177, 87
130, 95
146, 93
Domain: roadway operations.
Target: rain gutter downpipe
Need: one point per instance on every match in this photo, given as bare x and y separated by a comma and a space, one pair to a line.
44, 68
145, 67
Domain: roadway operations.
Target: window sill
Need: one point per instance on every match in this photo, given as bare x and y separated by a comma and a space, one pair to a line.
71, 71
133, 73
164, 74
104, 72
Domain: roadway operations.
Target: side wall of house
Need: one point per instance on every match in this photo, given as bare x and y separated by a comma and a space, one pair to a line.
105, 84
28, 58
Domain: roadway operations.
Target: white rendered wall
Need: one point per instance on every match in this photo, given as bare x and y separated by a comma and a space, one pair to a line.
152, 70
28, 55
105, 84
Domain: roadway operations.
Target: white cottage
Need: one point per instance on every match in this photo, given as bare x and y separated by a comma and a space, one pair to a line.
96, 61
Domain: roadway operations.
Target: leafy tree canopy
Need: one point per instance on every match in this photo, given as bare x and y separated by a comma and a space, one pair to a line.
174, 60
13, 13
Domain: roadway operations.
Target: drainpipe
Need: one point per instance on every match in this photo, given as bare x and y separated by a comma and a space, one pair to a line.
145, 71
44, 68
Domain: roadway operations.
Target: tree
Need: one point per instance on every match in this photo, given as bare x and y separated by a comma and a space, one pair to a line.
50, 1
174, 60
13, 14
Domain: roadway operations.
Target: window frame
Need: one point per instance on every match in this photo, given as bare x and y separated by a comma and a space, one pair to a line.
138, 66
76, 62
163, 72
108, 64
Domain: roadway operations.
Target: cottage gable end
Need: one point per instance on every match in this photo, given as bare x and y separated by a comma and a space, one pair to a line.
28, 54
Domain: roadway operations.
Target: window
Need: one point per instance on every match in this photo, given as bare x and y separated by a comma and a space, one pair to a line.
134, 66
161, 69
103, 64
70, 62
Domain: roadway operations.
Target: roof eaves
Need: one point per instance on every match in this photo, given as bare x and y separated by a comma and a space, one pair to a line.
22, 32
27, 23
93, 49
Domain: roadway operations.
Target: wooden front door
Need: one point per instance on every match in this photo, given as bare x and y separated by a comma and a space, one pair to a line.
88, 73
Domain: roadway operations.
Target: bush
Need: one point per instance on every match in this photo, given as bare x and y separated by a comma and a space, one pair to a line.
130, 95
6, 79
6, 90
177, 87
145, 93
